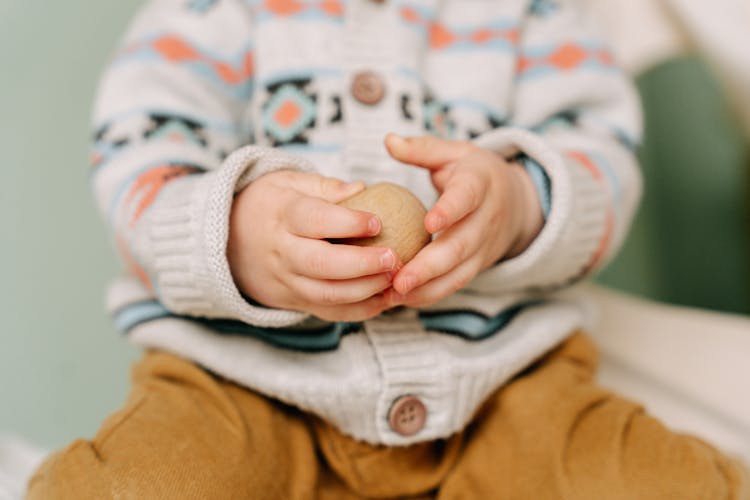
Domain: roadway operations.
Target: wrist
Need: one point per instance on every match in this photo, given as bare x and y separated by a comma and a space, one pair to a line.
237, 240
529, 207
249, 231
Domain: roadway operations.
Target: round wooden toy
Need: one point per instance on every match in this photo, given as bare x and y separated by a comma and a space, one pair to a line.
401, 215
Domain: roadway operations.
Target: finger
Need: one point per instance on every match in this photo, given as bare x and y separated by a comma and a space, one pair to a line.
360, 311
437, 289
322, 260
444, 254
461, 196
316, 218
337, 292
441, 177
328, 188
426, 151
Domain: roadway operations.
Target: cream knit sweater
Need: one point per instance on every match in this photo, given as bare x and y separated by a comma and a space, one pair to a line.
205, 96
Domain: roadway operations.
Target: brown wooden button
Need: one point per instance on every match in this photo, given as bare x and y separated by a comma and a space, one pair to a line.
407, 415
368, 88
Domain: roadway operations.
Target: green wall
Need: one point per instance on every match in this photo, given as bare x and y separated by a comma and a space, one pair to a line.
690, 241
63, 367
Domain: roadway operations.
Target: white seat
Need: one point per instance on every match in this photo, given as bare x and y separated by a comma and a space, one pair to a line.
18, 459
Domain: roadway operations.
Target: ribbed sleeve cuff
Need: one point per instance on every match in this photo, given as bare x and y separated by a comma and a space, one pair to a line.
574, 227
189, 240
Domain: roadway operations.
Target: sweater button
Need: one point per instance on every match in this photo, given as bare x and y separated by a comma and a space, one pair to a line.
368, 88
407, 415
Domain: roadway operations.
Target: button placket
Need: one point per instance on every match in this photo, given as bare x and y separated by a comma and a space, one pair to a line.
410, 381
370, 104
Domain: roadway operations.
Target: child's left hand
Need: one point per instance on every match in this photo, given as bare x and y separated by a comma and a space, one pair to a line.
488, 210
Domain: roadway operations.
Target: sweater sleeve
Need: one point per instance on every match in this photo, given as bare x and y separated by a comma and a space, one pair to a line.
577, 116
172, 145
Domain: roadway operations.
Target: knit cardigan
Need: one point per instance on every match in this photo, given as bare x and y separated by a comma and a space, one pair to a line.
204, 96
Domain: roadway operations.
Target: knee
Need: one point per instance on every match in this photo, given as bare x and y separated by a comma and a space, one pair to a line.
636, 456
84, 471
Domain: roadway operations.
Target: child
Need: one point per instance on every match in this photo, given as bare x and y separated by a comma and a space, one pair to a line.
280, 365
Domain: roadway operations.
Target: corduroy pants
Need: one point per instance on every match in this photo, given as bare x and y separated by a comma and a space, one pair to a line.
551, 433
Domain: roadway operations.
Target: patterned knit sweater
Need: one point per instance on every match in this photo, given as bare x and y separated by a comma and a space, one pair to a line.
204, 96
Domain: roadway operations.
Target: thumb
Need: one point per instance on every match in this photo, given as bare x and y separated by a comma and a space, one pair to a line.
328, 188
426, 151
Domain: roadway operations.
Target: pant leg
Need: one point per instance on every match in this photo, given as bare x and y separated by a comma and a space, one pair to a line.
186, 434
554, 434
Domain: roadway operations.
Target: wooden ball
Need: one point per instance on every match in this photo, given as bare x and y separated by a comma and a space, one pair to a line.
401, 215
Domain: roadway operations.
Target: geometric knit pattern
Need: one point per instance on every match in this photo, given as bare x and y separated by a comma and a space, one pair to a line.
147, 186
437, 118
230, 73
175, 128
500, 34
293, 9
567, 57
289, 111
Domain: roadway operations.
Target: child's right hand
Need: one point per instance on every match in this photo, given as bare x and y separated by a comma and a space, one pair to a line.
279, 257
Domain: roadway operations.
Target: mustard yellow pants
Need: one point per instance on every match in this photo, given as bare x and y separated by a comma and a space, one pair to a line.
550, 434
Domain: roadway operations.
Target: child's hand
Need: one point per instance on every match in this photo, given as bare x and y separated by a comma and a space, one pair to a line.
279, 257
488, 210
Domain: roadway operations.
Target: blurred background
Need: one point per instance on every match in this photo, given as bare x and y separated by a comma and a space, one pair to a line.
63, 367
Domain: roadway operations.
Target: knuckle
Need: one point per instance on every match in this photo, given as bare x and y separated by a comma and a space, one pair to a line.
316, 264
429, 271
284, 176
316, 217
330, 295
474, 193
321, 183
368, 263
328, 184
448, 206
457, 249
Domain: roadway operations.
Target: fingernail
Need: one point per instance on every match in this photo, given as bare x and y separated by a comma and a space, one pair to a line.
437, 222
373, 226
388, 261
397, 143
353, 186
